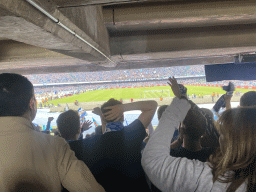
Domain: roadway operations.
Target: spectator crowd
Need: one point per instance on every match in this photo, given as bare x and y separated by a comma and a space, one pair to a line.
131, 74
62, 90
188, 151
129, 78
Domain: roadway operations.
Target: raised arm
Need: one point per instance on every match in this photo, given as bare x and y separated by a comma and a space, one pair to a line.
148, 109
98, 111
171, 173
166, 172
227, 99
49, 123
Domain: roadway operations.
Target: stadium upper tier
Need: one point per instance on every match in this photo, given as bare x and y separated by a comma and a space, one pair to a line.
131, 74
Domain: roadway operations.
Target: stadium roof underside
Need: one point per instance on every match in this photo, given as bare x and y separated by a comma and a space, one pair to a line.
38, 36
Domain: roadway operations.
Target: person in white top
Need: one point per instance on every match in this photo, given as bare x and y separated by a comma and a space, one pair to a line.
232, 168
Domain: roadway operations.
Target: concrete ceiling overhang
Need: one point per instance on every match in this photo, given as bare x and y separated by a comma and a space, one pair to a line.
146, 34
23, 22
78, 3
178, 14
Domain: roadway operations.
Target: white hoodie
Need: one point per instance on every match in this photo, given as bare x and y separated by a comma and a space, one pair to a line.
169, 173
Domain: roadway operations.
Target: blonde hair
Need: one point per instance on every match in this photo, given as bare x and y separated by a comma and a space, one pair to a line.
235, 163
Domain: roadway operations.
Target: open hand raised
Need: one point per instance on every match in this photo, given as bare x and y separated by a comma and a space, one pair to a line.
86, 125
175, 87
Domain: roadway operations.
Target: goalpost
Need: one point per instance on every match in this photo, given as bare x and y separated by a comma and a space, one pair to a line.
156, 93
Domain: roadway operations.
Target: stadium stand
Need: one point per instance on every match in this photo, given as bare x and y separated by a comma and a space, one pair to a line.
132, 74
129, 78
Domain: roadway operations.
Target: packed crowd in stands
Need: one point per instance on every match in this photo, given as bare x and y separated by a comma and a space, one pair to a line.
132, 78
131, 74
85, 87
188, 151
79, 88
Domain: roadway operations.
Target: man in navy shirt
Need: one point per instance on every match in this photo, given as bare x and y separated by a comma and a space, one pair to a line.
114, 158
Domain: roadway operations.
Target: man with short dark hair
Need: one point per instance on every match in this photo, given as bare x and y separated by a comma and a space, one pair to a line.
192, 129
248, 99
28, 156
69, 128
115, 156
68, 124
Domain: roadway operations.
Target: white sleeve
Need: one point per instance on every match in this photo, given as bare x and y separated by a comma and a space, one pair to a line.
171, 173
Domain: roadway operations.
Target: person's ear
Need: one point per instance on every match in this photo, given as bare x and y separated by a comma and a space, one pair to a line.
203, 136
32, 103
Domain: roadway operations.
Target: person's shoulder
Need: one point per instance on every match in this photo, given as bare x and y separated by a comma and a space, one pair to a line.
208, 150
135, 131
136, 123
75, 142
178, 152
86, 144
50, 141
46, 137
135, 127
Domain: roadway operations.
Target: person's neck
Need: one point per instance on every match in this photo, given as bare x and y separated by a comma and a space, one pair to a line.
192, 145
116, 121
27, 116
76, 137
72, 138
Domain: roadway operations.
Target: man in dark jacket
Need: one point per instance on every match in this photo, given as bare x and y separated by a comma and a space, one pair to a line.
114, 157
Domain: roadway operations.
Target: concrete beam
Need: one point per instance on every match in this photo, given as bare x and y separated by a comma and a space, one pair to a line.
181, 14
12, 51
76, 3
68, 65
58, 65
26, 24
184, 39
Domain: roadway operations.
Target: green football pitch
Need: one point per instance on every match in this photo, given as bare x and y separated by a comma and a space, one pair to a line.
137, 93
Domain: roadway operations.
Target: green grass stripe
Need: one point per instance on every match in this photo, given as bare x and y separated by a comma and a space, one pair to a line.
135, 93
